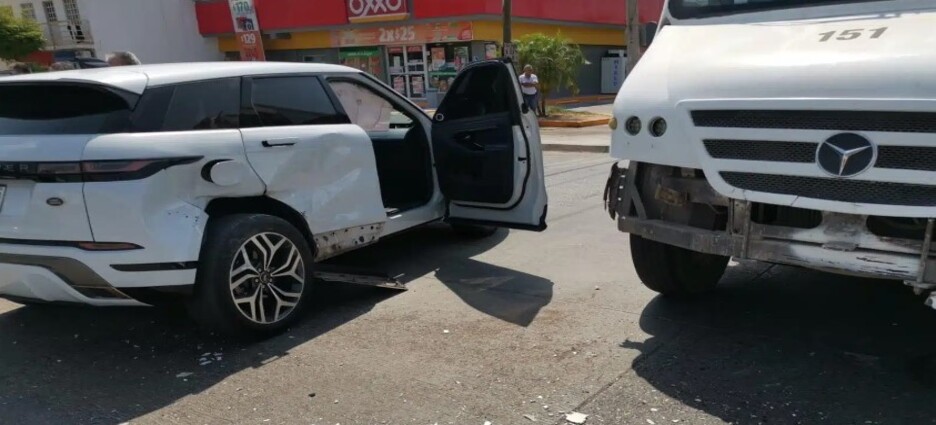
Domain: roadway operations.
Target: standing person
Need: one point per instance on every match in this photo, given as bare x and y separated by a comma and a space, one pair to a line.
122, 59
529, 85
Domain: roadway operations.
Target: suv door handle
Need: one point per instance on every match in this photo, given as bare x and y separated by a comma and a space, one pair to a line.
467, 140
278, 143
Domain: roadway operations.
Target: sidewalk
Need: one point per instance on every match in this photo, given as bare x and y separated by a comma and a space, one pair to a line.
585, 139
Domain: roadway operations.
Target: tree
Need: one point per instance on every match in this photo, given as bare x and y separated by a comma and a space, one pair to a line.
18, 37
555, 60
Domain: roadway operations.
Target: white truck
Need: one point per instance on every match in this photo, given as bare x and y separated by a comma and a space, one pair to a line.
797, 132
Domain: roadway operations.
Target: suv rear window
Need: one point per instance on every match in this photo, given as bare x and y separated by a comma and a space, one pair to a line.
27, 109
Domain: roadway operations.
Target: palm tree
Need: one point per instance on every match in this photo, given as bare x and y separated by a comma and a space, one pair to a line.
556, 62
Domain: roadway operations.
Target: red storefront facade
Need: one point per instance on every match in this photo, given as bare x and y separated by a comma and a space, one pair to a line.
418, 45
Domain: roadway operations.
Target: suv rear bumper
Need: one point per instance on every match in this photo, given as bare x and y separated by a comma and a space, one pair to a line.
63, 274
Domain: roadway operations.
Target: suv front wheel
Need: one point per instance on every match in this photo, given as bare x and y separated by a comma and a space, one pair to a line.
254, 275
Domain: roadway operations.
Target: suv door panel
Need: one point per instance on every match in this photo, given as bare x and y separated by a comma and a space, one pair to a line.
326, 172
488, 154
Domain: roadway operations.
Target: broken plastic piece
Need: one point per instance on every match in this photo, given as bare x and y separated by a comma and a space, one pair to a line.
576, 418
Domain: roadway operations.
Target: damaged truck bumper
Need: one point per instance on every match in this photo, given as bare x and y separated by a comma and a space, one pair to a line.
838, 243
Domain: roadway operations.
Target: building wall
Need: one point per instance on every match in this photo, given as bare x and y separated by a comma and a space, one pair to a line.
156, 31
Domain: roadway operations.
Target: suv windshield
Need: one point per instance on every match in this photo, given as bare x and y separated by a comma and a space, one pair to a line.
689, 9
57, 109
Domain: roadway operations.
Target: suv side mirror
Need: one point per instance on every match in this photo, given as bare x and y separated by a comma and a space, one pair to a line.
647, 32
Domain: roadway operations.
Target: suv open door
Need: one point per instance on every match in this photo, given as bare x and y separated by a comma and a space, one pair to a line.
487, 151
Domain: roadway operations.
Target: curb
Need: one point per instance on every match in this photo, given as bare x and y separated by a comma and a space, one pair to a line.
575, 124
559, 147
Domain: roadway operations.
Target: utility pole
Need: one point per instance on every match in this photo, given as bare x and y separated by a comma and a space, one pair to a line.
633, 35
508, 37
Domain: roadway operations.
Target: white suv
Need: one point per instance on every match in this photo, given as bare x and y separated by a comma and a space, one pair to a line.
226, 182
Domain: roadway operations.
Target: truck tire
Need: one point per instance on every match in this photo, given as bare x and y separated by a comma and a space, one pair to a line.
675, 271
254, 276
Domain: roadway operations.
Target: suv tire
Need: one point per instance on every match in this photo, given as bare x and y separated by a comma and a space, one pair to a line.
264, 263
674, 271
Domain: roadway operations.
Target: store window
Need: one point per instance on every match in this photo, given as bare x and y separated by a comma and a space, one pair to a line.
49, 8
408, 70
445, 61
367, 59
71, 11
28, 11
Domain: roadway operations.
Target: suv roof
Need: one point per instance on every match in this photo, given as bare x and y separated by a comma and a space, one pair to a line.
137, 78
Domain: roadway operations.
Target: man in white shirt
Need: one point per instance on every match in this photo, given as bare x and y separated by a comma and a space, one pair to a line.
529, 85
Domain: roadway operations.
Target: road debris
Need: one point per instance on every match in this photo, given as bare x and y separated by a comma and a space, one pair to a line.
184, 375
576, 418
649, 421
531, 418
445, 331
488, 423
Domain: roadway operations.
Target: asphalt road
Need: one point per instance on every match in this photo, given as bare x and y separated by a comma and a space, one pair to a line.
517, 324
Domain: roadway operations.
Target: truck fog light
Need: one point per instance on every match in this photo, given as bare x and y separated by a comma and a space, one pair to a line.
657, 127
633, 126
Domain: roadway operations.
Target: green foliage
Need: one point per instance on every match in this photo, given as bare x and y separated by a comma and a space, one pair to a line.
18, 37
556, 61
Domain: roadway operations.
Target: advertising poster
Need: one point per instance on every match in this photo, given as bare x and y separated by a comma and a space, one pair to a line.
438, 58
399, 84
404, 34
247, 30
418, 86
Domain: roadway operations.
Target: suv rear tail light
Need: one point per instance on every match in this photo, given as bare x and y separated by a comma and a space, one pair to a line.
89, 171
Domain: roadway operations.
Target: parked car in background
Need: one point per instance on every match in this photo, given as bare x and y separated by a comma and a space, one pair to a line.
88, 63
225, 183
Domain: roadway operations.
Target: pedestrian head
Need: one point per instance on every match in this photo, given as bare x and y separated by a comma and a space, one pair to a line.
122, 59
528, 70
62, 66
21, 68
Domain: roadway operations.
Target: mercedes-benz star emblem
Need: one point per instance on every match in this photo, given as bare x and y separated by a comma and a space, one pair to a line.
846, 155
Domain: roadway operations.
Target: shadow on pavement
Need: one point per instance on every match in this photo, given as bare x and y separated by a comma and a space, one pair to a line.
795, 346
506, 294
509, 295
106, 366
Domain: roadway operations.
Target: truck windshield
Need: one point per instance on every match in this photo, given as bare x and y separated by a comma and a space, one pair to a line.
689, 9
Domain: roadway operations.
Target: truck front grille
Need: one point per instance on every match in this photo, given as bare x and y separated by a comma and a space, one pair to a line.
758, 150
882, 121
920, 158
857, 191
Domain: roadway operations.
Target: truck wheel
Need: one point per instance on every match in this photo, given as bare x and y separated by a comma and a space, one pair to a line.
675, 271
254, 276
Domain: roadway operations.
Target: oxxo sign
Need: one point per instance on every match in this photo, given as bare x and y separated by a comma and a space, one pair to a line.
376, 10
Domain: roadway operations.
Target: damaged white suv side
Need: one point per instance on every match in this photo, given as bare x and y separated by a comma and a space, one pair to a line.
228, 182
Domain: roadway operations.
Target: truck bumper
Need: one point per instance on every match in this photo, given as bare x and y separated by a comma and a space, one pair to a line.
841, 243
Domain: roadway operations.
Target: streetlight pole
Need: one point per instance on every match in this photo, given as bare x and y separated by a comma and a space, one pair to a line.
633, 35
508, 37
